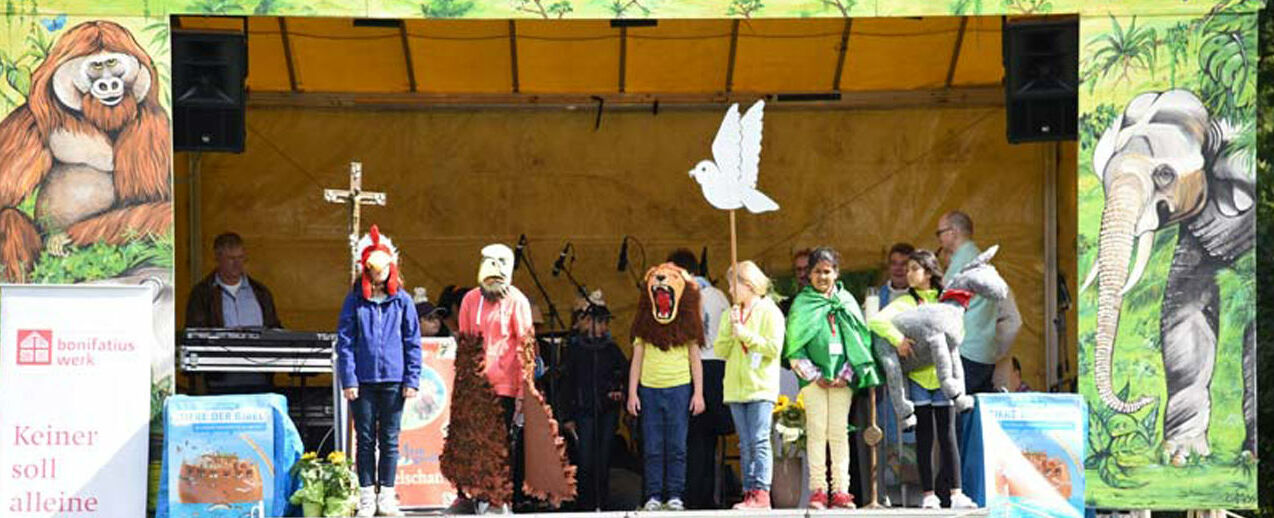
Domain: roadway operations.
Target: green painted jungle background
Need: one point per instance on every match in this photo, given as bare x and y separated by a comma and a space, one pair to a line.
553, 9
1213, 55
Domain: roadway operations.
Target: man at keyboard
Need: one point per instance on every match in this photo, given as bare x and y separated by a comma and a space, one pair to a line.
228, 298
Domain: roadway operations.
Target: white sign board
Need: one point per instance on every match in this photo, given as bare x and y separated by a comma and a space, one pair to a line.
74, 400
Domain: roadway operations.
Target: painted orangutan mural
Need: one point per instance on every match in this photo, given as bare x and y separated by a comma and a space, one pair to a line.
92, 143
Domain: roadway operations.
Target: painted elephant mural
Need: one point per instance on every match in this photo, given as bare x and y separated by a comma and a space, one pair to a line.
1166, 162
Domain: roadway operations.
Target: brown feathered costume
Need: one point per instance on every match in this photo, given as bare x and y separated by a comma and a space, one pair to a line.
475, 457
668, 312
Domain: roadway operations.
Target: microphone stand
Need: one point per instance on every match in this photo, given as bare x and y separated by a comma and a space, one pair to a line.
554, 319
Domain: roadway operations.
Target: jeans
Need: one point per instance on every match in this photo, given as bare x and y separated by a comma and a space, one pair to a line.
665, 419
921, 396
596, 437
752, 421
977, 376
378, 413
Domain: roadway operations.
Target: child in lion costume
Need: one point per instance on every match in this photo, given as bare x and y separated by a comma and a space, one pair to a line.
665, 380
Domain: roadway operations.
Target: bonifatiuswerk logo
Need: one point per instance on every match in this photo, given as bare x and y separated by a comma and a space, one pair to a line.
35, 347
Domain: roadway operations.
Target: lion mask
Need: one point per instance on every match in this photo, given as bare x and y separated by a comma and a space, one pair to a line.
668, 311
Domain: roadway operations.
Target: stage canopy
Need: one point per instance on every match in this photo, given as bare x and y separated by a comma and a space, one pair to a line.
484, 150
592, 57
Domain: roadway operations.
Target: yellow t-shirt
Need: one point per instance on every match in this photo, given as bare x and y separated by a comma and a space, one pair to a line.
664, 369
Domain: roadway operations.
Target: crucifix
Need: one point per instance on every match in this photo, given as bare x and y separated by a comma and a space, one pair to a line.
354, 198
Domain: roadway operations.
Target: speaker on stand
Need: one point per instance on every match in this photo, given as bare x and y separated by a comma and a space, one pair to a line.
209, 69
1041, 80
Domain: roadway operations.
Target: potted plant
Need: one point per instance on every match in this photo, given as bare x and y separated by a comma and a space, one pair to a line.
327, 488
788, 438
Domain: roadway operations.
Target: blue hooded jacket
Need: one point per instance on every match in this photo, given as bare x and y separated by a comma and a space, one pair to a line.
378, 342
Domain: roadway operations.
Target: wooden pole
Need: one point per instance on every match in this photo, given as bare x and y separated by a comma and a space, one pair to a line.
734, 256
873, 435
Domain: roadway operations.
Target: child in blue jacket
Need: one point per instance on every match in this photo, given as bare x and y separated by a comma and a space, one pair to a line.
378, 363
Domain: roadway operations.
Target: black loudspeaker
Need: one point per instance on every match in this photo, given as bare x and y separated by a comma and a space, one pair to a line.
209, 69
1041, 80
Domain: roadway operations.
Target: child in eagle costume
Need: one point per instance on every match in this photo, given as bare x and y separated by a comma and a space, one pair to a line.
500, 422
378, 362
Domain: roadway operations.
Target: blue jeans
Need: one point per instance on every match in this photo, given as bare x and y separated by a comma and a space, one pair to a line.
378, 413
752, 421
665, 421
921, 396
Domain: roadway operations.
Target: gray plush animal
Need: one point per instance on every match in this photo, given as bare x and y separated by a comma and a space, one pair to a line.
937, 330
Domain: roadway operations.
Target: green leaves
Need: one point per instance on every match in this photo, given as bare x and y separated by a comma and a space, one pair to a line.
102, 261
1118, 443
1122, 51
744, 8
446, 8
1029, 6
1227, 58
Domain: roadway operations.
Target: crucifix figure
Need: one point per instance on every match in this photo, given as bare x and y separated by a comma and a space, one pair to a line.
354, 198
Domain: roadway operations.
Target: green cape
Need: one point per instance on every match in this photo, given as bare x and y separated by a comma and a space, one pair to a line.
808, 335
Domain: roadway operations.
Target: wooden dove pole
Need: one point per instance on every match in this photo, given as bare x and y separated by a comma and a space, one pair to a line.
734, 260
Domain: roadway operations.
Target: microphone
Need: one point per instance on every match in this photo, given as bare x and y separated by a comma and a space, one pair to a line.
560, 263
623, 255
517, 252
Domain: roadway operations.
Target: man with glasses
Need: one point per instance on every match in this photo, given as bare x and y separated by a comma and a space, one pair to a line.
228, 298
979, 350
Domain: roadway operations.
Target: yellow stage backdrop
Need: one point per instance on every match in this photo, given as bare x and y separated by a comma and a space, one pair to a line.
457, 180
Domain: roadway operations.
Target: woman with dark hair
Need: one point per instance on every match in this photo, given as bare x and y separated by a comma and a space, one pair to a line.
828, 347
933, 408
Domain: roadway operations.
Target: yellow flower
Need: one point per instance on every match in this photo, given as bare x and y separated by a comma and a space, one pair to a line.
336, 457
311, 455
783, 400
800, 401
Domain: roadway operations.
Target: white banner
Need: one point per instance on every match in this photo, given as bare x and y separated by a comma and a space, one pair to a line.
74, 400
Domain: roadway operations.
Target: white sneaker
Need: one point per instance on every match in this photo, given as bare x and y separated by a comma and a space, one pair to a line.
366, 501
387, 502
675, 504
931, 502
653, 505
962, 501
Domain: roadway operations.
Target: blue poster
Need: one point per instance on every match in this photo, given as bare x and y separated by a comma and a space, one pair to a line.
227, 456
1024, 454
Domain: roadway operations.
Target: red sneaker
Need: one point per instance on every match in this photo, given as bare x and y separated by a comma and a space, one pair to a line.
760, 500
818, 500
747, 500
843, 501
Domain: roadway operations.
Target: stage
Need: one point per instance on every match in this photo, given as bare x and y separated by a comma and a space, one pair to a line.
776, 513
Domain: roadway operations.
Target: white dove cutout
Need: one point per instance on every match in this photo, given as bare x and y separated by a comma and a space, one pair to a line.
729, 179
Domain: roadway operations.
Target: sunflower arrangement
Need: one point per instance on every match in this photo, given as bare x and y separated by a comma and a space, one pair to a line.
327, 488
789, 427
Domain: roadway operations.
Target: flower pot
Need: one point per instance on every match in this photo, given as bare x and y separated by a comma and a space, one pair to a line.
788, 482
312, 508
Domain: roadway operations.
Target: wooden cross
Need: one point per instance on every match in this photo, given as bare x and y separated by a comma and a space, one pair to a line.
354, 198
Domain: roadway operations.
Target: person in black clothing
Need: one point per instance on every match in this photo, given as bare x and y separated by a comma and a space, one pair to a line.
596, 376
